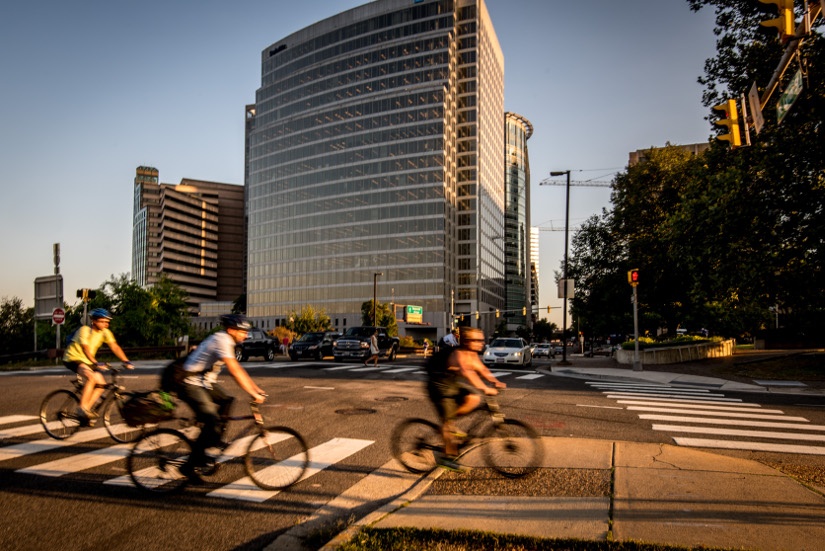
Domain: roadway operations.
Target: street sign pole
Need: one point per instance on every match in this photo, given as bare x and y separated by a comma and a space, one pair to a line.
636, 365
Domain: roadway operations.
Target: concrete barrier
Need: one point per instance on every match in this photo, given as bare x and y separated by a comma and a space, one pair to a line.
678, 354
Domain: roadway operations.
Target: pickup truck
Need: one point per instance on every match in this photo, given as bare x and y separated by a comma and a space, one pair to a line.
355, 344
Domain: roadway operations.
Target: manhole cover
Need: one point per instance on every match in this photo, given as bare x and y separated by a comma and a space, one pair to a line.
392, 399
355, 411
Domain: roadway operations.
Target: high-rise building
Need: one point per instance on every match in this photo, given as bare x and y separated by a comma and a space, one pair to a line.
192, 232
375, 147
517, 130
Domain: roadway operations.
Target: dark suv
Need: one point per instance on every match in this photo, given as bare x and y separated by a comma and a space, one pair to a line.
257, 343
314, 345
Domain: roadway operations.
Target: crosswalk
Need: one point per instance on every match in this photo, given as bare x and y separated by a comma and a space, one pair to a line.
391, 369
699, 417
321, 457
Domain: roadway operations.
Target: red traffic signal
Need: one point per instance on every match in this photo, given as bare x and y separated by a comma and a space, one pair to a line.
633, 277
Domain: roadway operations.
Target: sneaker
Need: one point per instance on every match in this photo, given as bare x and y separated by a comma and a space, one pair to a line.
82, 416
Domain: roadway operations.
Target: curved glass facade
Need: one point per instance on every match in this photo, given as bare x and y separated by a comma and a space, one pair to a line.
517, 219
363, 157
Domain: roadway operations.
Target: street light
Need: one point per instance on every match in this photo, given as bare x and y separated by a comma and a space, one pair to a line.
566, 227
374, 294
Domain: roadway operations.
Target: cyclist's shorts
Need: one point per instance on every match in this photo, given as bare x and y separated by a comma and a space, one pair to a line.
73, 366
448, 395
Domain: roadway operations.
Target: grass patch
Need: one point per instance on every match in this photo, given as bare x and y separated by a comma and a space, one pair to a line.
414, 539
798, 367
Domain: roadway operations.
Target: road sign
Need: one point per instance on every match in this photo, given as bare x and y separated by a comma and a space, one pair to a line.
756, 108
48, 295
58, 316
789, 96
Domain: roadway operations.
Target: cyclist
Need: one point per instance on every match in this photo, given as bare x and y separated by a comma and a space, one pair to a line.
200, 391
455, 390
80, 358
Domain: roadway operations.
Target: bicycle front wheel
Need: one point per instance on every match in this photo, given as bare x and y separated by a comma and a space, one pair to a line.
113, 420
155, 462
415, 443
58, 414
512, 448
277, 458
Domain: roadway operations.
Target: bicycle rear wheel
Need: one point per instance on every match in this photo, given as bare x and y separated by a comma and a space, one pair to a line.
113, 420
58, 414
414, 444
277, 458
512, 448
155, 462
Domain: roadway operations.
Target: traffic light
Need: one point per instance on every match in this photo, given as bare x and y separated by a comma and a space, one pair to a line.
498, 312
523, 310
785, 22
548, 309
633, 277
731, 120
478, 316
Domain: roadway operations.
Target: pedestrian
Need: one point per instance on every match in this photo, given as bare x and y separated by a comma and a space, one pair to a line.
426, 347
374, 350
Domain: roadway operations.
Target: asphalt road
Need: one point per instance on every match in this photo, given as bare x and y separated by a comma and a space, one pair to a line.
345, 414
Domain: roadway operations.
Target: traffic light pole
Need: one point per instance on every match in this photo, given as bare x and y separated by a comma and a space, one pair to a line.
636, 365
564, 306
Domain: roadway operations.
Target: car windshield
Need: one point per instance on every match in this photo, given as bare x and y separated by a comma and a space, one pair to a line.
311, 337
506, 343
360, 331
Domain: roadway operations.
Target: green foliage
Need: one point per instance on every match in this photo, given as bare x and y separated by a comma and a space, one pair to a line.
16, 326
308, 320
543, 330
408, 342
385, 315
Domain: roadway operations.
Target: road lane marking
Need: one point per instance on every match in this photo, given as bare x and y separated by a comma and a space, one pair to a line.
663, 401
752, 446
531, 376
708, 407
9, 419
717, 413
733, 422
46, 444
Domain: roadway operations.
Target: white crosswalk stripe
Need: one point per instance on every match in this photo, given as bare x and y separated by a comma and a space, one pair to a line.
729, 422
321, 457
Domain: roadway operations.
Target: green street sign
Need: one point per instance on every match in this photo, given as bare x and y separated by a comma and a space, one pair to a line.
788, 97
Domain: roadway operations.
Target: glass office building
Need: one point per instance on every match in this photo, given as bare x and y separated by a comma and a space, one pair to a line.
517, 221
375, 147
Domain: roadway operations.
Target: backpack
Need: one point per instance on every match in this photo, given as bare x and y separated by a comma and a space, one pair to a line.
436, 365
172, 376
151, 406
70, 338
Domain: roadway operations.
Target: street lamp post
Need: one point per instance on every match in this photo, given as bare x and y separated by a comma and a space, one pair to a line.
566, 228
374, 295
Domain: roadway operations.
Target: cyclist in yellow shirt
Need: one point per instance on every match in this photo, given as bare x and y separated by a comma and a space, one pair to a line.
80, 358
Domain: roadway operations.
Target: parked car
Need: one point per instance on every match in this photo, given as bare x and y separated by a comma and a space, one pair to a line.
257, 343
603, 350
508, 351
313, 345
543, 350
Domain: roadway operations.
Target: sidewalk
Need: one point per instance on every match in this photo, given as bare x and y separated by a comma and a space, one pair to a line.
657, 493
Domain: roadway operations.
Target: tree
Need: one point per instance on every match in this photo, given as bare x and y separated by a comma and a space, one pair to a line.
308, 320
543, 330
16, 326
385, 315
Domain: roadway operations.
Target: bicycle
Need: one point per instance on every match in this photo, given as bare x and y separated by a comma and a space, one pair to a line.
509, 446
275, 457
58, 411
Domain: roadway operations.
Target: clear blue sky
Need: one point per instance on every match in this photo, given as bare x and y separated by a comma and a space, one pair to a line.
90, 90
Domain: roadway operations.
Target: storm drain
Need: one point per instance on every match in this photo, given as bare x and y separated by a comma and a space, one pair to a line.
392, 399
355, 411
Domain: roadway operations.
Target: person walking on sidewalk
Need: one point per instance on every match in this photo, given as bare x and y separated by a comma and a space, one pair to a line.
80, 358
374, 350
455, 389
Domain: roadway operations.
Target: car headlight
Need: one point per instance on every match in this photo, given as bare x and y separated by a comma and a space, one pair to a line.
365, 345
517, 354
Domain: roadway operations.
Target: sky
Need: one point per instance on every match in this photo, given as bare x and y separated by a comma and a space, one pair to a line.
91, 90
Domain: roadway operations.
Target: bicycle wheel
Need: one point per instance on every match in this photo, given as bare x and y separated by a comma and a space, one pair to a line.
114, 422
155, 462
512, 448
414, 444
58, 414
277, 458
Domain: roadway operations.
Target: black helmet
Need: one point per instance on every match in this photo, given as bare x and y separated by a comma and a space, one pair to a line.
235, 321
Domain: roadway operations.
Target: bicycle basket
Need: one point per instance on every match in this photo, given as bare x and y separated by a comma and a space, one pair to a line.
147, 407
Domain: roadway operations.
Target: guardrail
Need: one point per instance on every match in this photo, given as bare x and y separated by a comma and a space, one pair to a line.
678, 354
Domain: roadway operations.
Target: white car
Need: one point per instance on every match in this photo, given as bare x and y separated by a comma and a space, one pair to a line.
543, 350
508, 351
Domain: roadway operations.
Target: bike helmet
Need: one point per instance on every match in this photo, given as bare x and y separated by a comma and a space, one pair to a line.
99, 313
235, 321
